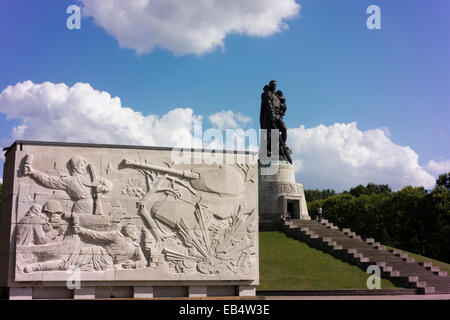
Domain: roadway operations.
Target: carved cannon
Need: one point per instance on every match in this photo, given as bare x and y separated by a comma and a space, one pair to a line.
221, 193
224, 180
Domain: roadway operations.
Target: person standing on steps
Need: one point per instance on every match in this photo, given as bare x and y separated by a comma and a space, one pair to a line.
319, 213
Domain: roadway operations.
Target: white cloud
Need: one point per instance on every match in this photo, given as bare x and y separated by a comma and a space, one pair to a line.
227, 119
189, 26
438, 167
1, 180
341, 156
56, 112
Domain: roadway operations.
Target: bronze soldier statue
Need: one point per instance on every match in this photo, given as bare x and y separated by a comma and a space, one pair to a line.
273, 109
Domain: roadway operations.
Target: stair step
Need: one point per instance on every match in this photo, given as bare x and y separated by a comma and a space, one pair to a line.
426, 290
426, 264
409, 260
364, 259
434, 269
347, 245
420, 284
395, 274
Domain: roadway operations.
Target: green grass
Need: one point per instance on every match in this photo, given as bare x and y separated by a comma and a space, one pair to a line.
286, 263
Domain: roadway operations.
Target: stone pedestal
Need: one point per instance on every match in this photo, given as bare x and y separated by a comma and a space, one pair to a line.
143, 292
20, 293
279, 193
84, 293
198, 291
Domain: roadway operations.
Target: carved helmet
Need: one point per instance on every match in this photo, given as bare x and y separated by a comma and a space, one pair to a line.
52, 206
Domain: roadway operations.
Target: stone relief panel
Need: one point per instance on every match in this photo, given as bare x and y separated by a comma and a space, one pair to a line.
143, 218
286, 188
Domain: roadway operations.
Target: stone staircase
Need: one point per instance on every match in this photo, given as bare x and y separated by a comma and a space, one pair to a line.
350, 247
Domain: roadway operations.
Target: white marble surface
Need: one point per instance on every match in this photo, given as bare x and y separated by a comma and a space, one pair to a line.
128, 215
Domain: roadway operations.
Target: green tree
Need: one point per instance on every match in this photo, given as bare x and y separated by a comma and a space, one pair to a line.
444, 180
438, 224
371, 188
314, 195
411, 219
406, 216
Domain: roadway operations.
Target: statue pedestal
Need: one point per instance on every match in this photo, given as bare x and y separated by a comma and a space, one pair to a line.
279, 193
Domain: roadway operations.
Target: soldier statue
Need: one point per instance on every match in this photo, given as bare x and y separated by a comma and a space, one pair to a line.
273, 109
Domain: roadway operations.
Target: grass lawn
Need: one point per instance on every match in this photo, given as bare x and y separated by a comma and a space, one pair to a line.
285, 263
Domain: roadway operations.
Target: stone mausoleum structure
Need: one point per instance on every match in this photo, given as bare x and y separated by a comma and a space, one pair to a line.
101, 221
279, 194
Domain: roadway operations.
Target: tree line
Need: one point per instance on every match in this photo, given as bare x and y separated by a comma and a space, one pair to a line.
413, 218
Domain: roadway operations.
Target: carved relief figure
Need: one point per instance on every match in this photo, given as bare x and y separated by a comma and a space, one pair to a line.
194, 221
191, 209
86, 258
34, 228
82, 188
111, 248
121, 246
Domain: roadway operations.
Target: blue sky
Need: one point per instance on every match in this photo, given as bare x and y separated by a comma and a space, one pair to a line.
331, 68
